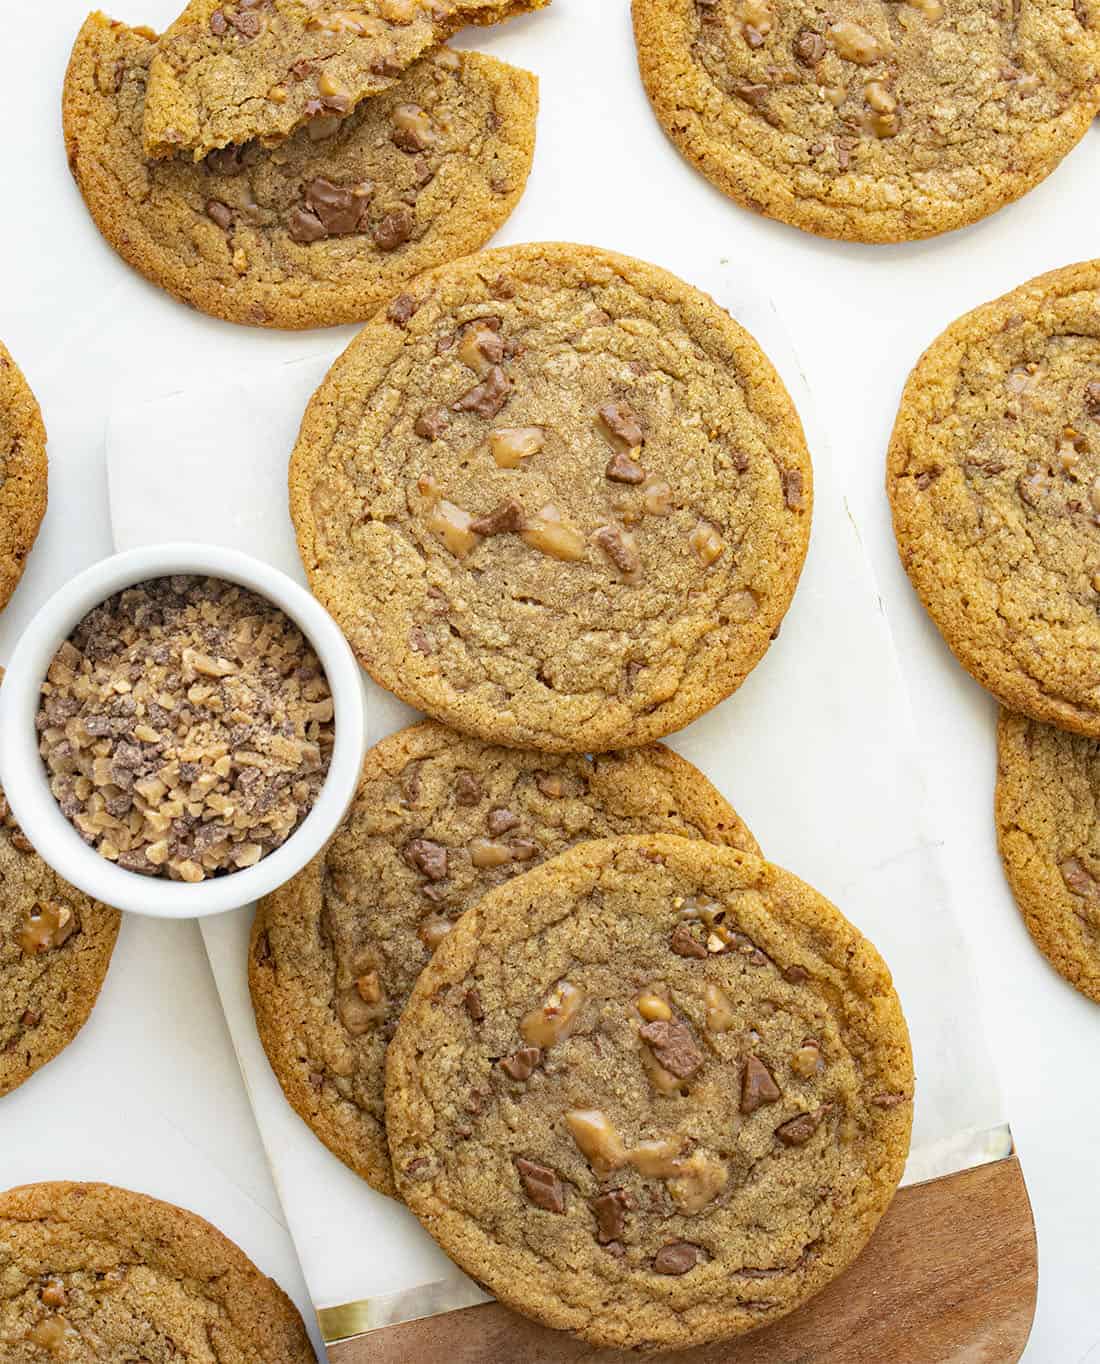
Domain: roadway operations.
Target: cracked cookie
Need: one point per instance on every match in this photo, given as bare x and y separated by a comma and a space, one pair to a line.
875, 122
555, 497
228, 73
1048, 795
55, 948
993, 475
91, 1273
327, 226
655, 1092
439, 820
23, 475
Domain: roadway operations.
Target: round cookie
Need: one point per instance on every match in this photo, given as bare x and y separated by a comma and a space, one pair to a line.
556, 498
439, 820
228, 73
993, 475
55, 948
871, 122
22, 473
1048, 795
92, 1273
656, 1093
321, 229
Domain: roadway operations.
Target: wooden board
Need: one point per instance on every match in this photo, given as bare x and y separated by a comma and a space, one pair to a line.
949, 1277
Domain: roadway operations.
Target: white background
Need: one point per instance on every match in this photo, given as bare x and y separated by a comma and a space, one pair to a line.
87, 331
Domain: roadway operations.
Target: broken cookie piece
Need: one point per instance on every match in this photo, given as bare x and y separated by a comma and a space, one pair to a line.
227, 72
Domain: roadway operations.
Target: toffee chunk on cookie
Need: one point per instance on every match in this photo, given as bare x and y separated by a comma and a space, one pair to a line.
328, 226
22, 473
1048, 795
564, 505
439, 820
677, 1169
227, 72
96, 1273
872, 122
187, 727
993, 475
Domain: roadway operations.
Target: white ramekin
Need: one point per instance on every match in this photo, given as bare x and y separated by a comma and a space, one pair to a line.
25, 780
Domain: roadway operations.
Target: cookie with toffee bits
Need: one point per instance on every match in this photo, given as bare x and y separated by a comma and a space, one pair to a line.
1048, 795
322, 229
994, 480
96, 1273
439, 820
554, 497
693, 1093
55, 948
229, 71
872, 122
23, 473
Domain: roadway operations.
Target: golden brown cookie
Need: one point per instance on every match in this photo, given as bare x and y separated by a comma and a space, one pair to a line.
655, 1092
226, 73
22, 473
994, 479
322, 229
1048, 795
55, 948
873, 122
556, 498
439, 820
92, 1274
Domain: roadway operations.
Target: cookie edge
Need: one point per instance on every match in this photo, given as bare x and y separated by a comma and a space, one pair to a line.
451, 964
361, 1143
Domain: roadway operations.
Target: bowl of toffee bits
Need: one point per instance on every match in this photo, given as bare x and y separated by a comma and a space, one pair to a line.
181, 730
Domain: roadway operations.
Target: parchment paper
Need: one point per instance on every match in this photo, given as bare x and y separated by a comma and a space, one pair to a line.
816, 751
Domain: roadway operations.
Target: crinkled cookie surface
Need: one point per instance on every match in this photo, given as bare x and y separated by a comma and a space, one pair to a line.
55, 948
226, 73
439, 820
323, 228
1048, 796
994, 479
655, 1093
23, 473
556, 498
90, 1274
872, 121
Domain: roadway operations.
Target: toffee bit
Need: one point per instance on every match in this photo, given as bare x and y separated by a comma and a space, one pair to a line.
187, 728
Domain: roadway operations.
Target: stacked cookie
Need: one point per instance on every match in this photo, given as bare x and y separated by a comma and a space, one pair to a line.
542, 985
280, 166
994, 479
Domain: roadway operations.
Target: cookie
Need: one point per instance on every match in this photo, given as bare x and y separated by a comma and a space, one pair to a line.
322, 229
92, 1273
439, 820
876, 123
1048, 795
555, 497
228, 73
994, 479
22, 473
55, 948
656, 1093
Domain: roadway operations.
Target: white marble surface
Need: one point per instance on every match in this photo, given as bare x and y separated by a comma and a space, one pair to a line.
85, 329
